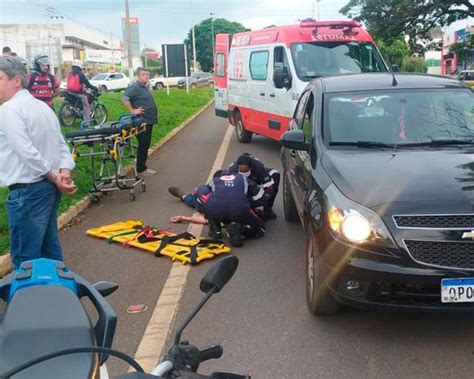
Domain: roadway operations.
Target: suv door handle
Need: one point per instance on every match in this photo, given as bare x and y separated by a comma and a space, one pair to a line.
293, 153
262, 93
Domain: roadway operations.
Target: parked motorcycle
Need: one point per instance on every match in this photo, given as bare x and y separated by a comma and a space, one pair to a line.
48, 335
71, 109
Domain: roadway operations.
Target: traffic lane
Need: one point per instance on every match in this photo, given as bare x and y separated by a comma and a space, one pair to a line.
185, 161
263, 323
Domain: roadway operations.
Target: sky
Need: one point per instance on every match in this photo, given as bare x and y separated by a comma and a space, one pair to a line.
168, 21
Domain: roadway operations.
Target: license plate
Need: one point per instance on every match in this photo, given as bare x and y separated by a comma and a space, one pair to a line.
457, 290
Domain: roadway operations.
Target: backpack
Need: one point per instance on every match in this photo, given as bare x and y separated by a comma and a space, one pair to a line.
74, 83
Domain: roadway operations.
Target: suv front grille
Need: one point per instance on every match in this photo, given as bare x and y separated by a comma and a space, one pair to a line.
443, 254
465, 221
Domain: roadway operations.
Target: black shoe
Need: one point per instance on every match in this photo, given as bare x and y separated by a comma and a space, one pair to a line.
215, 231
235, 234
176, 192
214, 235
268, 214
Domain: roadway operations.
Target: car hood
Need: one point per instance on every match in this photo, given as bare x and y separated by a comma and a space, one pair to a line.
96, 82
375, 178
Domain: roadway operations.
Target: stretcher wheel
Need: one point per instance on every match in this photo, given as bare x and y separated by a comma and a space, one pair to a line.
143, 187
94, 198
132, 196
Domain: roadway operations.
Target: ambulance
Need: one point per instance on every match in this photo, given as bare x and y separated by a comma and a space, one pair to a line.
259, 75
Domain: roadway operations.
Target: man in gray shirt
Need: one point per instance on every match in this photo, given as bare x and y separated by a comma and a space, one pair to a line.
35, 164
139, 100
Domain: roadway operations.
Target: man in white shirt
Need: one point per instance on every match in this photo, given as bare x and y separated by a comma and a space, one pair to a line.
35, 164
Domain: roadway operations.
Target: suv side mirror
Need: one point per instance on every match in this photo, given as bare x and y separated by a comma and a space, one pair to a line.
395, 68
294, 139
282, 78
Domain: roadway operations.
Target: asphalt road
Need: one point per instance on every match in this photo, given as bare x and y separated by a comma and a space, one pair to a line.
261, 317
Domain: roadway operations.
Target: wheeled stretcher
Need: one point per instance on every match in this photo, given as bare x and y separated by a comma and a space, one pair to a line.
107, 145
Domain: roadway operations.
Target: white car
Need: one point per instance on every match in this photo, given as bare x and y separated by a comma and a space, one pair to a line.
162, 82
110, 81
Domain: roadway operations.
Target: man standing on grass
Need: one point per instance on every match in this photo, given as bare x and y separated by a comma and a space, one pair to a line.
139, 101
35, 164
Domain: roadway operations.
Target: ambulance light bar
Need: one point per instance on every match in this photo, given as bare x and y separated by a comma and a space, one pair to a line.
309, 23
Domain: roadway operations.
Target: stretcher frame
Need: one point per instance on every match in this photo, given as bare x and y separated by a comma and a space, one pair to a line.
115, 141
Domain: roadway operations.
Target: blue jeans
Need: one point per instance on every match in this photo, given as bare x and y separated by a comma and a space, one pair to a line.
32, 217
191, 201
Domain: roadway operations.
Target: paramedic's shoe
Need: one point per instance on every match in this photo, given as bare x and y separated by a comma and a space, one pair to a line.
215, 231
176, 192
235, 234
147, 172
268, 214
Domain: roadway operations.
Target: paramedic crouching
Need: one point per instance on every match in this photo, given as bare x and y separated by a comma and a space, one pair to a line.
35, 164
139, 101
228, 203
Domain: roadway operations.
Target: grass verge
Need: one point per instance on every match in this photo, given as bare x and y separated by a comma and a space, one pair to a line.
173, 110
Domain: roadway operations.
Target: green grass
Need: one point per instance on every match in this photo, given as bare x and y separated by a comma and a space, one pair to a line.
173, 110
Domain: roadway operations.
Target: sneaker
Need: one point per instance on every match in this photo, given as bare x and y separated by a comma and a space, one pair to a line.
235, 235
176, 192
147, 172
214, 235
215, 231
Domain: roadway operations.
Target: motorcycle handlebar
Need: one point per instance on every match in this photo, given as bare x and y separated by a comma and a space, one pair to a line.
211, 352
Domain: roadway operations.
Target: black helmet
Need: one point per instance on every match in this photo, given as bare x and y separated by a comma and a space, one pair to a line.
40, 59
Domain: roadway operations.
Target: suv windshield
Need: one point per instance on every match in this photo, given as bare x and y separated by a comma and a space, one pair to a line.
100, 77
400, 117
314, 59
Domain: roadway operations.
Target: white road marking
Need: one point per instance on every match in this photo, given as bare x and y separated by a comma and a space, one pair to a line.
153, 342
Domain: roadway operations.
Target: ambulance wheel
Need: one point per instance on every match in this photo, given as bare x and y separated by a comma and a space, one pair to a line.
94, 198
318, 295
132, 196
289, 207
243, 136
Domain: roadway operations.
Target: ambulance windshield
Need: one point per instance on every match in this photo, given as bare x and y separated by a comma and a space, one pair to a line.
313, 59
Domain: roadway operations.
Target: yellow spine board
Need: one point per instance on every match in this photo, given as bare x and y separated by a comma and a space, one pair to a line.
128, 232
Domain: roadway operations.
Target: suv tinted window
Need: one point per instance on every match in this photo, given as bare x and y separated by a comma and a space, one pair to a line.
303, 114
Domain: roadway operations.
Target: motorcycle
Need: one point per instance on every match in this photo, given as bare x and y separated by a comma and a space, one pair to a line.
45, 331
71, 109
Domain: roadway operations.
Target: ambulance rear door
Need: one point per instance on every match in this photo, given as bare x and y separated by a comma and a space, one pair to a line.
221, 56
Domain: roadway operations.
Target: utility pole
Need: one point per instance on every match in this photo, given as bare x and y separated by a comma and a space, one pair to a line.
194, 38
319, 16
212, 33
146, 60
112, 47
47, 14
129, 40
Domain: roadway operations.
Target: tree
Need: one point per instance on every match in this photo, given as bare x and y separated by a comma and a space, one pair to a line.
390, 19
394, 52
414, 64
203, 38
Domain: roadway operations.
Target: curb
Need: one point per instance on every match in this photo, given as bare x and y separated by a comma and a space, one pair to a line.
66, 218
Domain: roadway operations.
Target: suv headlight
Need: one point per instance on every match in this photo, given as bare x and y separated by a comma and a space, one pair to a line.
354, 223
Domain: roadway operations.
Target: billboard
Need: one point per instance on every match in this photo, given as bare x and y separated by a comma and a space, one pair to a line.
103, 56
174, 62
134, 36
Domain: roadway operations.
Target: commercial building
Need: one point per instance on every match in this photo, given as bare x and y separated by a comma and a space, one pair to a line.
458, 53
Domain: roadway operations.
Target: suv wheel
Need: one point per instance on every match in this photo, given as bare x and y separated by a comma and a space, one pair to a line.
243, 136
289, 207
102, 89
318, 296
158, 86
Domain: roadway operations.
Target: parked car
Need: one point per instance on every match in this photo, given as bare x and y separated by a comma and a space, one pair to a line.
467, 76
197, 79
161, 82
379, 169
110, 81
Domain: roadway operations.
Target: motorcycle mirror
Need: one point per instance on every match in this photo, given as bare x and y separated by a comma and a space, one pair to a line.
219, 274
106, 288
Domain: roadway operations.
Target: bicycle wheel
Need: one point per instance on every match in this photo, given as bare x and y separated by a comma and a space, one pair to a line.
67, 115
100, 113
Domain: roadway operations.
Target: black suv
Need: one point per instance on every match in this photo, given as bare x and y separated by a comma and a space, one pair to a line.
380, 170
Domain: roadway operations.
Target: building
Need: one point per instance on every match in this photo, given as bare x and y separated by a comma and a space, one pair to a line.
63, 42
452, 61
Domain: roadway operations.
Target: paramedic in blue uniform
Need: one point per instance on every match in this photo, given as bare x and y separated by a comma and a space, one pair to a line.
268, 178
139, 101
228, 203
35, 164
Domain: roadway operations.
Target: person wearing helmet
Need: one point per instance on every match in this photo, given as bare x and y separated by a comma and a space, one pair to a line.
77, 82
41, 84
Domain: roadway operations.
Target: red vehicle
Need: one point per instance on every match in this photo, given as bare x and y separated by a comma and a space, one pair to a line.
259, 75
